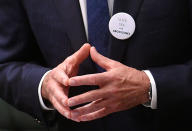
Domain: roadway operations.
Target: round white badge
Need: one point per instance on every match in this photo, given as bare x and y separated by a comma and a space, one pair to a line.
122, 26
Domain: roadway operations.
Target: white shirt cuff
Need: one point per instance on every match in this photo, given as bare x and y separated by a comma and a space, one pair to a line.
154, 89
43, 106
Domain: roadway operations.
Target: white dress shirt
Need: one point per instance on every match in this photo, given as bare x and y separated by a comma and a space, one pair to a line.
83, 6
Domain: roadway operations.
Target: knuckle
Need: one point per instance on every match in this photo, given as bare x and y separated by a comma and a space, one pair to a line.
62, 111
97, 106
52, 100
119, 78
70, 60
53, 92
94, 81
91, 117
61, 79
69, 68
58, 77
112, 64
83, 111
107, 108
59, 109
49, 86
104, 112
64, 101
107, 112
100, 106
113, 91
54, 74
67, 59
117, 106
116, 63
64, 67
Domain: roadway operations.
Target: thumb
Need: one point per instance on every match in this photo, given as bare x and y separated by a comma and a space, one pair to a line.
101, 60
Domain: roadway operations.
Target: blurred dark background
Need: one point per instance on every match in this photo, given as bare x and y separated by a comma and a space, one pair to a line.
14, 120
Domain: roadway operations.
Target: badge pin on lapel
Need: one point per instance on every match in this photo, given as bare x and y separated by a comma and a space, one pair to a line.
122, 26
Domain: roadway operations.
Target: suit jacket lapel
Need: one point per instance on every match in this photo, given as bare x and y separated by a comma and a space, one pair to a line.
118, 47
70, 13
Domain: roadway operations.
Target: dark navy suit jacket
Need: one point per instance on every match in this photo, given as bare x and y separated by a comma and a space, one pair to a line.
37, 35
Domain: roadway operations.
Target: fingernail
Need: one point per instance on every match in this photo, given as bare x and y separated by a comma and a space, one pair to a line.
83, 119
76, 120
66, 115
94, 48
72, 82
71, 103
66, 82
74, 116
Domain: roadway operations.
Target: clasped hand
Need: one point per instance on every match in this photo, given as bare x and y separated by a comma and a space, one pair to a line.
120, 87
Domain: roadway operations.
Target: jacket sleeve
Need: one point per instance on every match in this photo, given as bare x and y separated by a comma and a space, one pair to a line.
21, 63
174, 85
174, 82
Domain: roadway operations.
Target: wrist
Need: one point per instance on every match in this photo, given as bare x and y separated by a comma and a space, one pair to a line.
44, 86
43, 102
148, 97
147, 90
